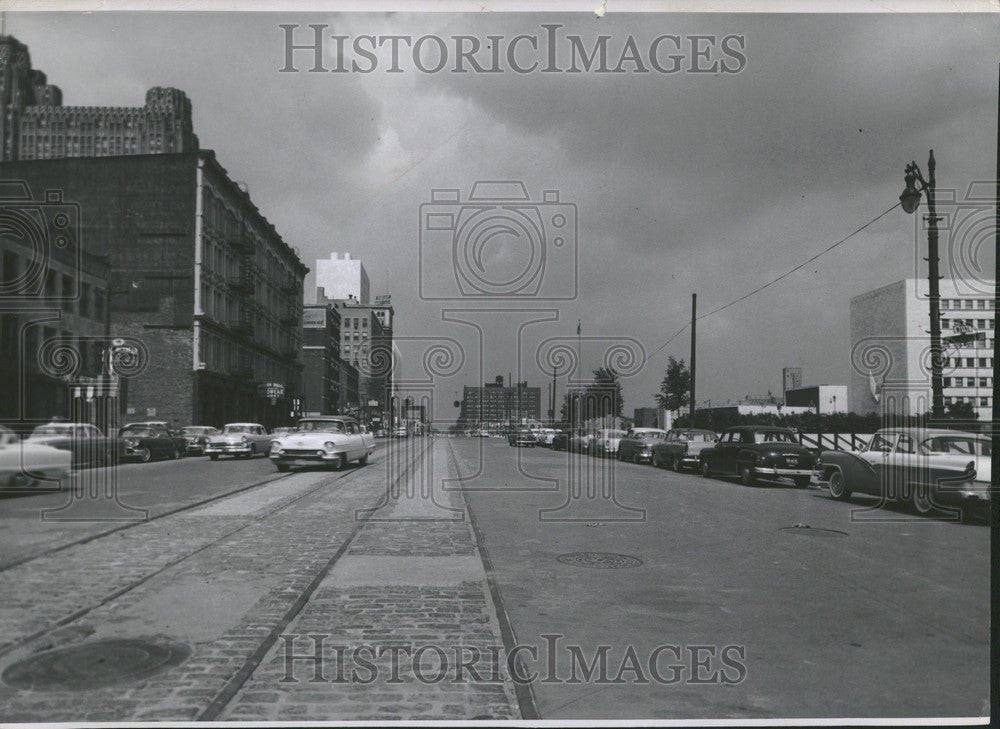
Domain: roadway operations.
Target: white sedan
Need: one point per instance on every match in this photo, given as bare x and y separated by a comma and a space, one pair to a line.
239, 440
24, 464
323, 441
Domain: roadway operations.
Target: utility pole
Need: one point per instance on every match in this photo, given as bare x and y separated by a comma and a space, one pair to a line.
552, 412
937, 383
694, 335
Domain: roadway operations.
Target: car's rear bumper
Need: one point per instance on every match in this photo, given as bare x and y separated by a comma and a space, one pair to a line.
789, 472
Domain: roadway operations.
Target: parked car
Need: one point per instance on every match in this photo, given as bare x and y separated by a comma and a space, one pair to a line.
196, 438
755, 451
323, 441
31, 465
580, 440
560, 441
239, 440
929, 468
146, 442
605, 442
85, 442
282, 430
483, 433
400, 432
544, 436
637, 445
522, 437
682, 447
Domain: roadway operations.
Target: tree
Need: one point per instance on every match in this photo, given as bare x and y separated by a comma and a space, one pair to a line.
676, 386
604, 395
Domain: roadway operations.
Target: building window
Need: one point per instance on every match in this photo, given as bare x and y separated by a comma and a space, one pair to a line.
946, 382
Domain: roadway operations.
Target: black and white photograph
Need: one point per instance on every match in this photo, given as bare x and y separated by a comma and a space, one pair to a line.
506, 364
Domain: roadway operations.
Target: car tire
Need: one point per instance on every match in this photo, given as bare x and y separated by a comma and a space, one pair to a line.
838, 487
282, 467
341, 463
921, 500
363, 461
213, 456
145, 456
802, 481
175, 454
22, 481
655, 461
253, 451
747, 477
706, 470
676, 464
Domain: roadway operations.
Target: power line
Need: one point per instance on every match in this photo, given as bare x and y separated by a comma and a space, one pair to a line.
773, 281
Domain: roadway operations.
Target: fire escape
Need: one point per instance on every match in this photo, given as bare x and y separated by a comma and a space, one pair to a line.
242, 285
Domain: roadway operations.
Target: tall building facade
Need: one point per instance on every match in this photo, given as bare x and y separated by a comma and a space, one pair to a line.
890, 338
35, 125
321, 360
495, 405
197, 274
342, 277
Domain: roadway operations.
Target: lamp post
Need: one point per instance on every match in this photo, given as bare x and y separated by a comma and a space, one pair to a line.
909, 200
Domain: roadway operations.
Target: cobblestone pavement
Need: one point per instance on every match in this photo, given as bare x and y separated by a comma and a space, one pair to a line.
235, 580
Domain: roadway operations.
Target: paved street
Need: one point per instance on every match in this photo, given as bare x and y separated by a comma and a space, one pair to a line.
888, 620
381, 571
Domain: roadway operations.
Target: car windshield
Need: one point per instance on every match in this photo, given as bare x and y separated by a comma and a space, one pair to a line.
137, 432
196, 430
956, 445
322, 426
699, 437
232, 429
44, 430
774, 436
651, 435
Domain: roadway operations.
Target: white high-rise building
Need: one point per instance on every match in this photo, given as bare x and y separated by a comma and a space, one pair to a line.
342, 277
890, 348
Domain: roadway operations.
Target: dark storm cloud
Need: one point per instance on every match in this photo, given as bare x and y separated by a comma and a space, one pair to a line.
684, 183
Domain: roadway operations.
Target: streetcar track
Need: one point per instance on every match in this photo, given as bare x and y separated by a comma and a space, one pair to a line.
131, 525
255, 519
236, 682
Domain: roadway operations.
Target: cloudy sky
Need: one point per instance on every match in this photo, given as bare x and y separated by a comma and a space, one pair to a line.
709, 183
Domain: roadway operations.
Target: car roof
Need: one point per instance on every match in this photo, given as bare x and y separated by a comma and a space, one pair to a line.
758, 428
693, 430
929, 432
648, 430
255, 424
332, 417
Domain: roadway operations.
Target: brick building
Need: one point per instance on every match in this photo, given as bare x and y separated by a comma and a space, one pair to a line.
35, 125
53, 311
198, 275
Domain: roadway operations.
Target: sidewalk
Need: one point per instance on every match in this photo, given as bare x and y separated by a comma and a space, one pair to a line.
408, 625
233, 582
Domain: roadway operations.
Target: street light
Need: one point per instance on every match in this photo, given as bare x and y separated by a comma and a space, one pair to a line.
909, 200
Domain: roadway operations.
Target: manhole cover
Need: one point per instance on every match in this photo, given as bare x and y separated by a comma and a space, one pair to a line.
600, 560
95, 664
811, 531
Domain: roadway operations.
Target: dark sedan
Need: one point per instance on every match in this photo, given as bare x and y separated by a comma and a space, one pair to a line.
146, 442
196, 438
560, 442
755, 452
